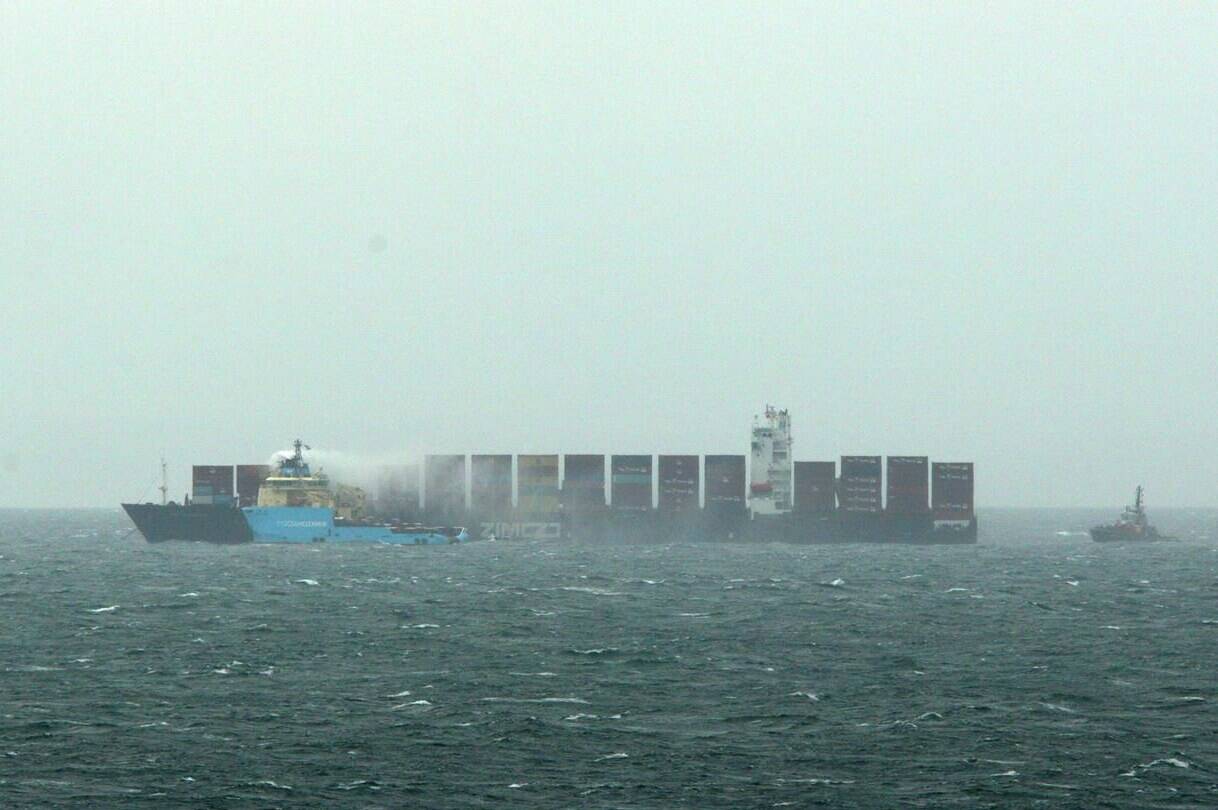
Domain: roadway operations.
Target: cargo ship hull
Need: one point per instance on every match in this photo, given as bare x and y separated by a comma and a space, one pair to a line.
205, 523
656, 527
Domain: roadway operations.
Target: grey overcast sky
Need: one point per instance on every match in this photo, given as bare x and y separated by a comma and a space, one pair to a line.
975, 231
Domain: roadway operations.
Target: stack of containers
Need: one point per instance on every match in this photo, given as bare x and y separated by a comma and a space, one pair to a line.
443, 484
491, 484
860, 489
537, 484
397, 491
249, 481
725, 483
952, 494
630, 486
907, 485
679, 482
815, 487
212, 484
583, 483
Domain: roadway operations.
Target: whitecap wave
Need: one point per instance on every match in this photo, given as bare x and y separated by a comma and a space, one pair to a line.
1057, 707
534, 674
1173, 762
535, 700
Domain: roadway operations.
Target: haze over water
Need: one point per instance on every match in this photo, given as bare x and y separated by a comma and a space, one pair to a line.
976, 233
1036, 669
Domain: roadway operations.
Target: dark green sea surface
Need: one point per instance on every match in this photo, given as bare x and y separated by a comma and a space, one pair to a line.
1036, 669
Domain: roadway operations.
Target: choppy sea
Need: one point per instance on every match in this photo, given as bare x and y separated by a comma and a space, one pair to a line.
1036, 669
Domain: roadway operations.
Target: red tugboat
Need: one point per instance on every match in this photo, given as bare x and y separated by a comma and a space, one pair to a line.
1132, 526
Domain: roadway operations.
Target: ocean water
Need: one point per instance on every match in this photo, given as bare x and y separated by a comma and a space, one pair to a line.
1036, 669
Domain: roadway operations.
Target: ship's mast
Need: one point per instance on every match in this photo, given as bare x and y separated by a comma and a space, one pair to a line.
1137, 500
164, 482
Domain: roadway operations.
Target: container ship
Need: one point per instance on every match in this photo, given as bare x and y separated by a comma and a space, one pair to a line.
595, 498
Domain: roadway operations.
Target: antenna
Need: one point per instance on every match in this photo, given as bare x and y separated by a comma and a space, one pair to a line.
164, 482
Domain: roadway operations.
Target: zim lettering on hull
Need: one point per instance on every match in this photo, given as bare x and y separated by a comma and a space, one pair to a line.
522, 531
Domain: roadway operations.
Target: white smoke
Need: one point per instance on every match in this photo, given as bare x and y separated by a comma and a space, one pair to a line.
363, 470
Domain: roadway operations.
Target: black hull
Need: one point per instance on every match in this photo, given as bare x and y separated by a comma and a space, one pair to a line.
713, 525
194, 522
737, 527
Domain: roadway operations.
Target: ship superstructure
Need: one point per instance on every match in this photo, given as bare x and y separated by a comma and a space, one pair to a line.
294, 483
770, 473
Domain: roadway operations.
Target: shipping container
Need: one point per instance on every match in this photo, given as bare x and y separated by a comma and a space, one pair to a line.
397, 491
537, 484
491, 483
725, 481
679, 483
860, 489
583, 482
630, 485
216, 478
249, 481
815, 486
952, 490
908, 485
443, 484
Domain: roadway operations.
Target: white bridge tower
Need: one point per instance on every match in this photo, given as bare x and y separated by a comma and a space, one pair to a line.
770, 476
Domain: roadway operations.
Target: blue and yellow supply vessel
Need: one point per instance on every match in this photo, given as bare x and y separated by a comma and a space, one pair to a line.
296, 505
